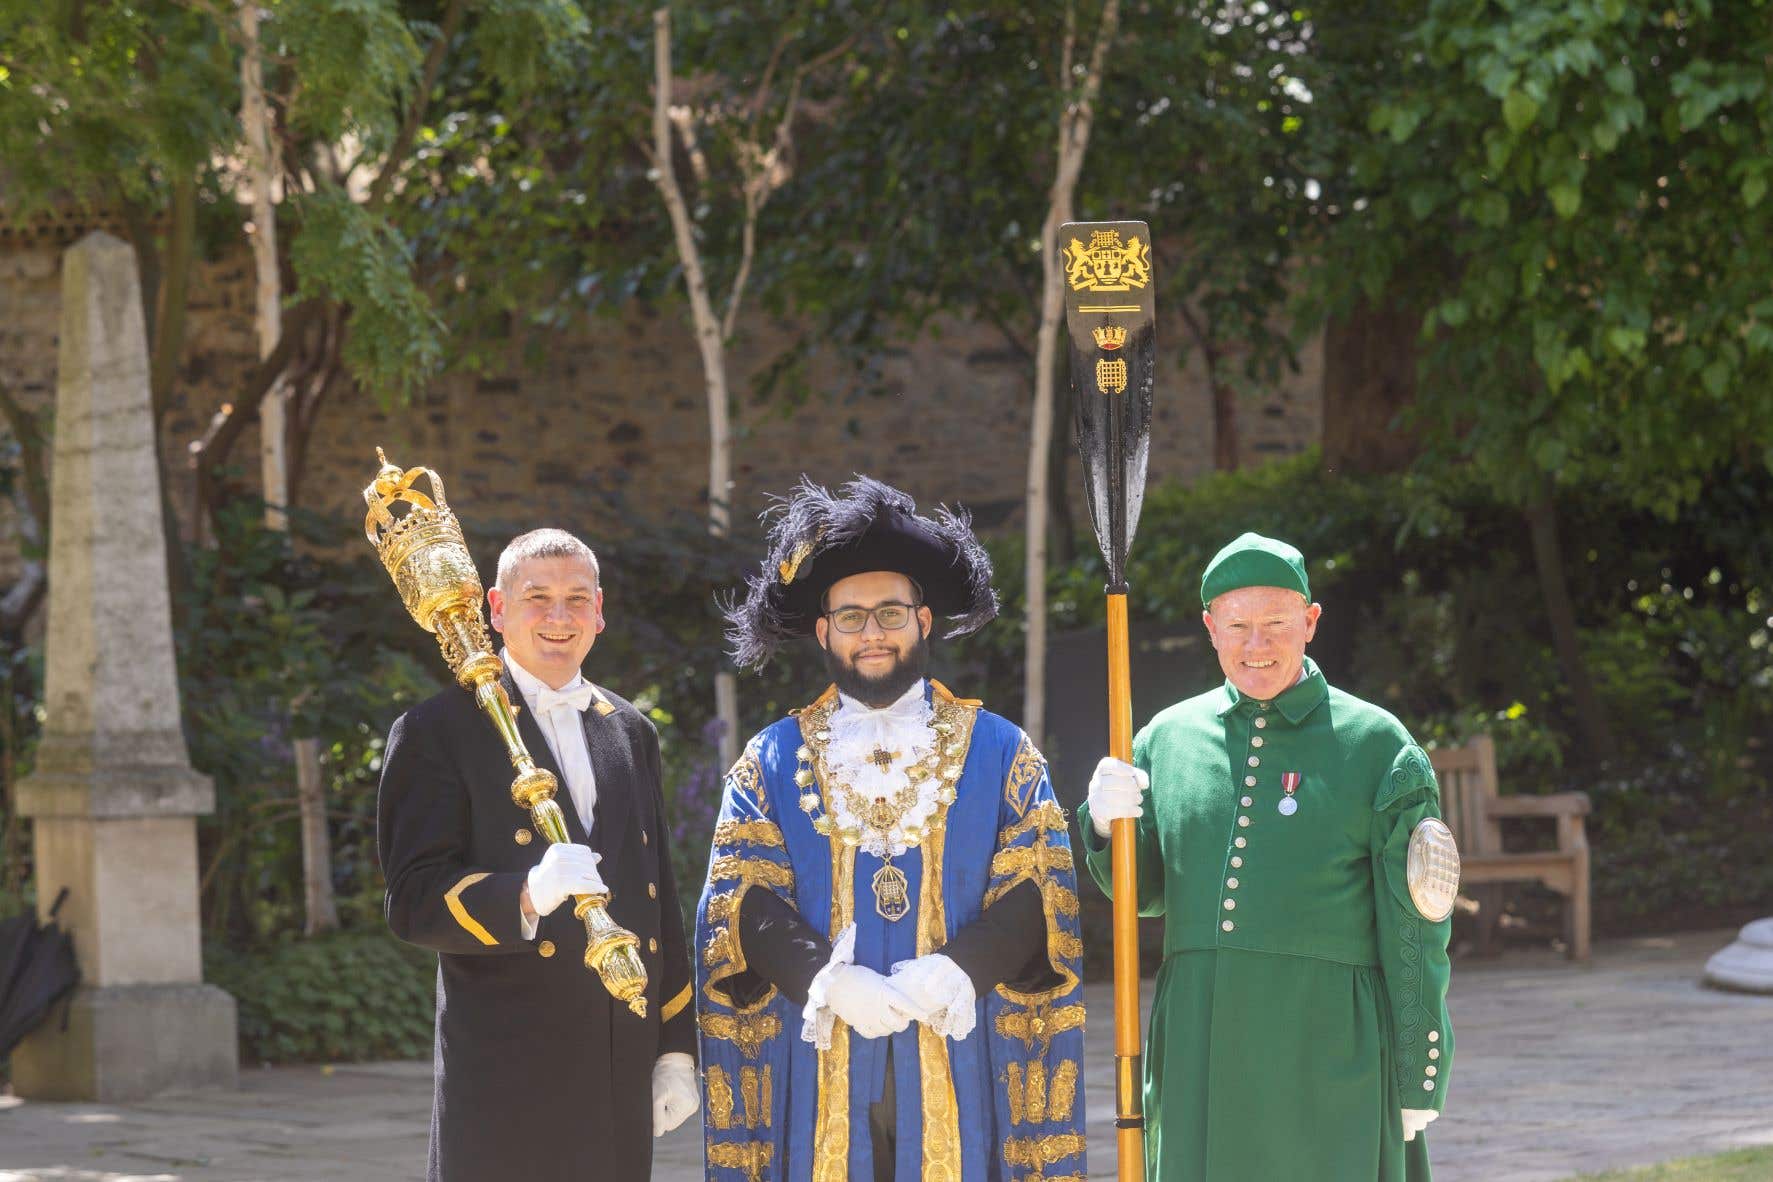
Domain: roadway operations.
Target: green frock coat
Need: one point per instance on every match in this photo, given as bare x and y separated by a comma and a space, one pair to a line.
1302, 999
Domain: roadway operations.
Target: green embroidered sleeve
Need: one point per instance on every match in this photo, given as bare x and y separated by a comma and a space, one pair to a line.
1412, 948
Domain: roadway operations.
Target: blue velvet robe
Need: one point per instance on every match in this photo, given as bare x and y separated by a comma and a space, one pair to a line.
1003, 1103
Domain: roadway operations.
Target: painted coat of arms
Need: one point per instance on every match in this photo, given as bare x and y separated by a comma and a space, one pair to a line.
1107, 264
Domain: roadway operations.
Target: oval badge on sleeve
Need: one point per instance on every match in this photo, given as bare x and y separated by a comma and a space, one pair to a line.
1432, 869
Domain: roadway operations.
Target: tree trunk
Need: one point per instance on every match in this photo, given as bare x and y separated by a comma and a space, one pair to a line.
167, 348
1227, 443
1369, 380
1227, 446
1074, 141
174, 298
255, 117
1062, 525
1548, 560
709, 342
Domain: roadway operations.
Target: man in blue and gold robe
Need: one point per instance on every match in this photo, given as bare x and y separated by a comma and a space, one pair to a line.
888, 978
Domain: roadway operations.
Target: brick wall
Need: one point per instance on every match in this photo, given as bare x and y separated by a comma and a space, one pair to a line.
621, 404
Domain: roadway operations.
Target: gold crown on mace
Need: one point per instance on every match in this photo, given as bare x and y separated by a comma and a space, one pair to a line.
1110, 336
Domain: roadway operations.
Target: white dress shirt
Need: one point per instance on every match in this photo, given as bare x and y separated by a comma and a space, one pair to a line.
564, 728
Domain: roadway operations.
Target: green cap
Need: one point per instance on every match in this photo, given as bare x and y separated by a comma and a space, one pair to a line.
1254, 561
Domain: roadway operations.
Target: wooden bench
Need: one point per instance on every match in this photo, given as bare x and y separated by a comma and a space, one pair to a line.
1475, 809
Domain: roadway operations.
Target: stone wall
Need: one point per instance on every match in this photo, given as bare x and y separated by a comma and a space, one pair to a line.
619, 405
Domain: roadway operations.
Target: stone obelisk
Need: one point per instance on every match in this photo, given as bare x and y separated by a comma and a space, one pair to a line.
113, 798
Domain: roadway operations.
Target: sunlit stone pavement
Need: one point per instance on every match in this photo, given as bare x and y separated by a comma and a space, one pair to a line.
1559, 1070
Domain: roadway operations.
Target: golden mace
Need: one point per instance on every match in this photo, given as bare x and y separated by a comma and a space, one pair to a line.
427, 557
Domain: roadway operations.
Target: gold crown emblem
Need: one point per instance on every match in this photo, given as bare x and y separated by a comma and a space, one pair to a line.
1110, 336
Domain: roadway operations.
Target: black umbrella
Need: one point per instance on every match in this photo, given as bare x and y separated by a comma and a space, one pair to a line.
37, 970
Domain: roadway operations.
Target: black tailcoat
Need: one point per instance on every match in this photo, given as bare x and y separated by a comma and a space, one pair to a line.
540, 1074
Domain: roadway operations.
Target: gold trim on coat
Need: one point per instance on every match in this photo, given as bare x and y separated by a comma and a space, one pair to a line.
676, 1004
453, 900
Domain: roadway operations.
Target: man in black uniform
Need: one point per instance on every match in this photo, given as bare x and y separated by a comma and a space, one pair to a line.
540, 1073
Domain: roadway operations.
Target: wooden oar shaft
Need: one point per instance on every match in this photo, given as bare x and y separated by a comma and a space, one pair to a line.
1129, 1102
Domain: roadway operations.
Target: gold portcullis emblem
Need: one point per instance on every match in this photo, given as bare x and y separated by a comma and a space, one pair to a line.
892, 893
1111, 376
1432, 868
1107, 264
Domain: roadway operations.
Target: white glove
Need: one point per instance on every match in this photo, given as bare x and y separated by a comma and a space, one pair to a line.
1415, 1120
565, 870
941, 993
677, 1091
866, 1001
1116, 790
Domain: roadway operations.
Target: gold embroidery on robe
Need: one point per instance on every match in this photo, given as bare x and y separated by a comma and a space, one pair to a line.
720, 1098
1019, 785
751, 1156
1037, 1025
749, 1031
1040, 1152
751, 871
831, 1132
1064, 1092
764, 833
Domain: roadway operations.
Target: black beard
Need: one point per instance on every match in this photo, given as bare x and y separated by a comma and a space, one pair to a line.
887, 688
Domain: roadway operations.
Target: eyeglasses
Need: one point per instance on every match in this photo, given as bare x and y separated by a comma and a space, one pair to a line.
890, 616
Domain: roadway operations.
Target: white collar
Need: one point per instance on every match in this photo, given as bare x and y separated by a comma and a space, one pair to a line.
528, 684
910, 703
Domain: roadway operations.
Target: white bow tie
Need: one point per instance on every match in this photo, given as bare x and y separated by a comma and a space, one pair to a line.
578, 697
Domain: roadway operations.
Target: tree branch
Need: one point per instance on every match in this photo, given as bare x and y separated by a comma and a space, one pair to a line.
415, 115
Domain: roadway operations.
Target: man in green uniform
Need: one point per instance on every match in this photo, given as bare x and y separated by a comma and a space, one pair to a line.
1290, 836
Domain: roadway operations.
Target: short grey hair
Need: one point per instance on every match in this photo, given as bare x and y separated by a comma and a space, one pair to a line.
544, 543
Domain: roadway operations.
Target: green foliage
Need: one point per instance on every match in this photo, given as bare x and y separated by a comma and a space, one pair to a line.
527, 43
272, 648
1567, 190
355, 58
353, 256
101, 101
343, 997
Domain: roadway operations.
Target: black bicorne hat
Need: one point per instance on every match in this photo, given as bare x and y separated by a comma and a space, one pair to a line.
816, 539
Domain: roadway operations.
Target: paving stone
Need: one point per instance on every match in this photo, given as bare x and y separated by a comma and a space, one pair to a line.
1560, 1069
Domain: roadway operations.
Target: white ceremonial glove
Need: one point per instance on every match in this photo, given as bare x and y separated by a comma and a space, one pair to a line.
1415, 1120
867, 1001
863, 999
677, 1091
1117, 790
564, 871
940, 991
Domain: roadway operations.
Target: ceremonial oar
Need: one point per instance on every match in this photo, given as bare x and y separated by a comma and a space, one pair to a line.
1111, 311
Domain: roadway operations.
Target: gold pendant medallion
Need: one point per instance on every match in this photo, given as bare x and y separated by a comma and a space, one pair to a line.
892, 893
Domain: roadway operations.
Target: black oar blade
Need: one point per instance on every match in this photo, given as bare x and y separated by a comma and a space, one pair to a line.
1111, 312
